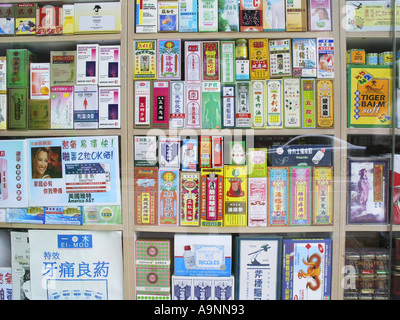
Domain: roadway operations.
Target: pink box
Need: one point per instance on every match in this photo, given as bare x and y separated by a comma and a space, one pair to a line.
160, 104
300, 196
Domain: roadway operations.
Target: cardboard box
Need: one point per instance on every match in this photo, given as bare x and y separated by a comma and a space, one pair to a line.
146, 195
145, 151
259, 59
110, 107
7, 19
258, 275
243, 105
153, 281
303, 155
325, 103
355, 56
188, 16
18, 67
278, 196
300, 196
251, 15
280, 58
304, 58
189, 154
18, 108
208, 15
258, 202
228, 73
169, 59
100, 17
86, 107
211, 105
274, 103
217, 151
49, 20
193, 62
39, 114
193, 106
3, 112
168, 16
26, 21
242, 70
274, 15
292, 101
20, 261
236, 194
257, 162
177, 107
145, 54
308, 103
169, 152
63, 68
154, 253
161, 108
320, 15
143, 104
63, 215
237, 153
168, 193
369, 96
40, 81
87, 66
3, 75
296, 15
298, 256
325, 58
228, 105
228, 16
211, 61
190, 198
62, 107
212, 197
202, 255
146, 16
205, 152
68, 21
109, 65
323, 205
258, 112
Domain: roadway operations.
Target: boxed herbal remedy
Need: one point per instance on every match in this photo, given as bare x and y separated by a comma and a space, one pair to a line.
278, 196
109, 65
251, 15
62, 68
259, 59
193, 62
258, 114
212, 197
296, 15
168, 16
144, 57
143, 90
146, 16
292, 103
211, 63
208, 15
193, 107
39, 114
18, 67
190, 198
87, 67
169, 59
325, 117
161, 103
274, 100
40, 81
300, 196
177, 107
62, 107
168, 197
26, 19
211, 105
146, 195
322, 196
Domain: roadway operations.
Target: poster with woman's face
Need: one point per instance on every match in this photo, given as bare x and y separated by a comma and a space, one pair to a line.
46, 162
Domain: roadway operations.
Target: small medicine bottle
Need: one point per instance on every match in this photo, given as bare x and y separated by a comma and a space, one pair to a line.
188, 258
241, 51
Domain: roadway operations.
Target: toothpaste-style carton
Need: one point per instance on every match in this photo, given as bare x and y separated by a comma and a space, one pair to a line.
202, 255
212, 197
168, 195
300, 196
274, 100
190, 198
278, 196
146, 195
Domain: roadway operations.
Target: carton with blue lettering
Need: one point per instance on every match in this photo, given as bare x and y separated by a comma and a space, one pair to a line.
202, 255
188, 16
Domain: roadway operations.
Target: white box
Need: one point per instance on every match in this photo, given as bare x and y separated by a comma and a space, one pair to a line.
87, 67
86, 107
208, 16
20, 264
62, 107
110, 107
3, 75
146, 16
109, 65
193, 62
142, 103
3, 112
40, 81
68, 18
202, 255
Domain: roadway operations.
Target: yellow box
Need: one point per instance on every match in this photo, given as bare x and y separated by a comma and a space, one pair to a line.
296, 15
235, 196
259, 59
325, 117
355, 56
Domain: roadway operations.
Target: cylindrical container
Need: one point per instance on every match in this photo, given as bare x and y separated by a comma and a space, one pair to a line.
386, 58
241, 49
372, 59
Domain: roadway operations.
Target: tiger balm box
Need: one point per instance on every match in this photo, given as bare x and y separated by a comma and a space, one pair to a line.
308, 269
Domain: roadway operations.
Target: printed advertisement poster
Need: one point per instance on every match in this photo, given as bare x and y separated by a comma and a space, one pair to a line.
76, 265
74, 171
13, 174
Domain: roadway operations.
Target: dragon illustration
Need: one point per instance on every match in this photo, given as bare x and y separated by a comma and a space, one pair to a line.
313, 271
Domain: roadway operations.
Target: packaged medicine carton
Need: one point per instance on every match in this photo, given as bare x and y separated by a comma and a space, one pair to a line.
292, 103
205, 152
202, 255
237, 152
145, 151
189, 154
274, 15
259, 59
228, 16
211, 61
228, 62
168, 193
211, 104
3, 112
217, 151
190, 198
168, 16
258, 202
110, 107
153, 281
142, 104
296, 15
97, 17
40, 81
258, 112
257, 162
308, 102
212, 193
87, 66
278, 196
235, 199
322, 196
243, 105
169, 152
325, 58
63, 68
274, 103
300, 196
7, 19
3, 75
68, 14
39, 114
320, 15
228, 105
193, 107
144, 57
146, 16
325, 118
193, 62
280, 58
49, 20
304, 58
26, 20
161, 102
146, 195
177, 107
86, 107
18, 67
62, 107
18, 108
109, 65
309, 265
154, 253
251, 15
208, 16
169, 59
188, 16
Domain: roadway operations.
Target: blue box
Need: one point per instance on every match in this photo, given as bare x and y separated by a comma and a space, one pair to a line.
188, 16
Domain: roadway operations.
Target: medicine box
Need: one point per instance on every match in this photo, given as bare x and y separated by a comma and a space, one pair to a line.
190, 198
87, 66
143, 90
251, 15
3, 112
211, 105
146, 195
188, 16
168, 16
212, 197
7, 19
110, 107
109, 65
193, 62
155, 253
3, 75
296, 15
18, 67
309, 266
257, 202
278, 195
320, 15
325, 118
211, 60
40, 81
202, 255
39, 114
274, 100
193, 108
300, 195
274, 15
292, 103
177, 107
322, 187
325, 58
146, 16
86, 107
63, 68
145, 151
208, 15
26, 20
168, 193
49, 20
304, 53
169, 59
145, 55
228, 16
17, 108
161, 101
62, 107
236, 196
68, 14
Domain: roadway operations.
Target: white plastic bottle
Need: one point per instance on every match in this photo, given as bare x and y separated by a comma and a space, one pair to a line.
188, 258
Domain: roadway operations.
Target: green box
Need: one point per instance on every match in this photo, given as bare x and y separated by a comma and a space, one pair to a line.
18, 64
18, 108
228, 62
39, 114
211, 105
308, 103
